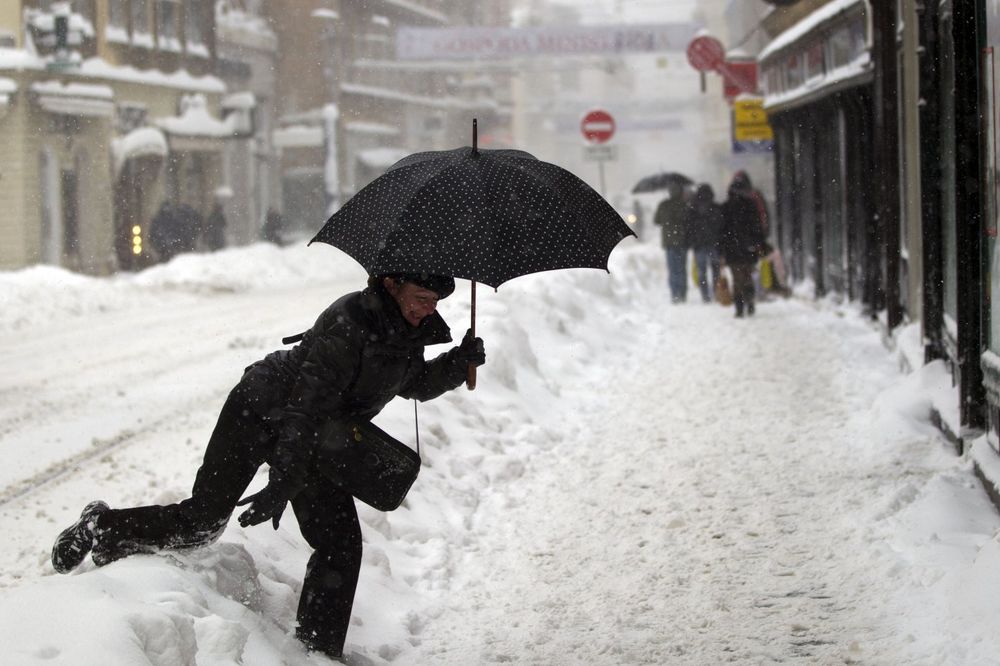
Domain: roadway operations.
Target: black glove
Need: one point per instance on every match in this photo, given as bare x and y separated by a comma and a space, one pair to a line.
471, 351
268, 503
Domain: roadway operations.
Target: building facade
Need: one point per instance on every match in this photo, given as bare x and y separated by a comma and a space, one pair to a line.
109, 108
348, 108
886, 122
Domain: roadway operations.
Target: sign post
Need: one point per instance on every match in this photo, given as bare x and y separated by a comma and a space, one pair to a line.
597, 127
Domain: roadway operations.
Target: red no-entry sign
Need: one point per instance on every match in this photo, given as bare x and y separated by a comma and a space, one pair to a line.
706, 53
597, 126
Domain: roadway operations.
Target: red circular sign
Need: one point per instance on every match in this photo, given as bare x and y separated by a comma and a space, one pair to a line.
706, 53
597, 126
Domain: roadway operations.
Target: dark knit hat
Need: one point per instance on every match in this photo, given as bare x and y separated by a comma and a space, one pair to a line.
442, 285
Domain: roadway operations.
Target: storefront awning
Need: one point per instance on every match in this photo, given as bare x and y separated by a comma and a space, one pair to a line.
381, 158
142, 142
74, 99
196, 129
298, 136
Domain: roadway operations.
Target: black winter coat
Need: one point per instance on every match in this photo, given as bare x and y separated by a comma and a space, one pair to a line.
703, 222
357, 357
742, 237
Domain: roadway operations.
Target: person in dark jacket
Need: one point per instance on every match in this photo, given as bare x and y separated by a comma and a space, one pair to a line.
669, 216
741, 241
364, 349
703, 222
214, 232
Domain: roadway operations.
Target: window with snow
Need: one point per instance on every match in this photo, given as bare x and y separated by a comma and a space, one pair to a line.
168, 14
118, 14
194, 28
141, 34
117, 28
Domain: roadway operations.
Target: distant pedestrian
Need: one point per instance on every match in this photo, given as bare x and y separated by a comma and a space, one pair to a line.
741, 241
669, 217
171, 231
213, 234
274, 224
703, 224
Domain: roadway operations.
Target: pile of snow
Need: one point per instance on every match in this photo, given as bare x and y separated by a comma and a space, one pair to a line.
234, 602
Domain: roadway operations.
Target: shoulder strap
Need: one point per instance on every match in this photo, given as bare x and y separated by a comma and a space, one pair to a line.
416, 425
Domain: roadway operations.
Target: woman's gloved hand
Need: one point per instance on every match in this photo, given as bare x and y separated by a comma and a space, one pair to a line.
471, 351
268, 503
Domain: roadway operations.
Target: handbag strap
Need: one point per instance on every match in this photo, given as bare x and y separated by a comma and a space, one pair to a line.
416, 426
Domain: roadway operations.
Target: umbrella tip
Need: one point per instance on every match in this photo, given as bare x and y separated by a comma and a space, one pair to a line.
475, 136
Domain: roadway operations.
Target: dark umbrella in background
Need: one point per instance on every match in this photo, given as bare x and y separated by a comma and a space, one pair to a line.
483, 215
661, 181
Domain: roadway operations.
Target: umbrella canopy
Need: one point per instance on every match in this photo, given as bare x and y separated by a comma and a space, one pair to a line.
661, 181
482, 215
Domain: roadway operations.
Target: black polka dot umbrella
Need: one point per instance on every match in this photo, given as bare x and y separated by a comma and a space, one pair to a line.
483, 215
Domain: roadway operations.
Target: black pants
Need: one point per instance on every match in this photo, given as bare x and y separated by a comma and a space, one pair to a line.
243, 439
743, 287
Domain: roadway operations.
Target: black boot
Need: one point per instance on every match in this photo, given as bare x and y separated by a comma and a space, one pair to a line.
76, 541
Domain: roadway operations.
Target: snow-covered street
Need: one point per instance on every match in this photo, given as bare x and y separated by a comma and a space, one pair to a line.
631, 482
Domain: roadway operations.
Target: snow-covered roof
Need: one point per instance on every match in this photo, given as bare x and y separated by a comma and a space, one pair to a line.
244, 100
298, 136
400, 96
73, 89
141, 142
381, 158
195, 120
418, 9
46, 22
19, 59
98, 68
860, 67
362, 127
807, 25
78, 99
238, 27
8, 86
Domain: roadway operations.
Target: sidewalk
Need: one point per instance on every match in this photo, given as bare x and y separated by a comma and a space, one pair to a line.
757, 491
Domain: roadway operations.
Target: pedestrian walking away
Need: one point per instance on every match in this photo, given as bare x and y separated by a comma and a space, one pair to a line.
669, 217
363, 350
741, 242
214, 231
703, 223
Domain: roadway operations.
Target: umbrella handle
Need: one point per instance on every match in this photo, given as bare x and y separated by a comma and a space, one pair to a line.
470, 377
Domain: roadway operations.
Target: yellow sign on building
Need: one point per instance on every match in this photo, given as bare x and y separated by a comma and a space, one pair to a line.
750, 125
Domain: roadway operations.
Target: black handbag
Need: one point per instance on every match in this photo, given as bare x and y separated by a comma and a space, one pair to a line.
367, 462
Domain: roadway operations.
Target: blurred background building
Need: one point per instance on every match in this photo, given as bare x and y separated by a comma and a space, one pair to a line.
118, 113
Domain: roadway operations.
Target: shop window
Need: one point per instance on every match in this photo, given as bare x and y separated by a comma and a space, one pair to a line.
814, 61
117, 28
841, 47
793, 71
990, 195
167, 21
859, 32
118, 14
141, 34
194, 28
85, 8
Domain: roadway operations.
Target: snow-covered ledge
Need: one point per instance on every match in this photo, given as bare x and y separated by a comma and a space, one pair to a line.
8, 88
75, 99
